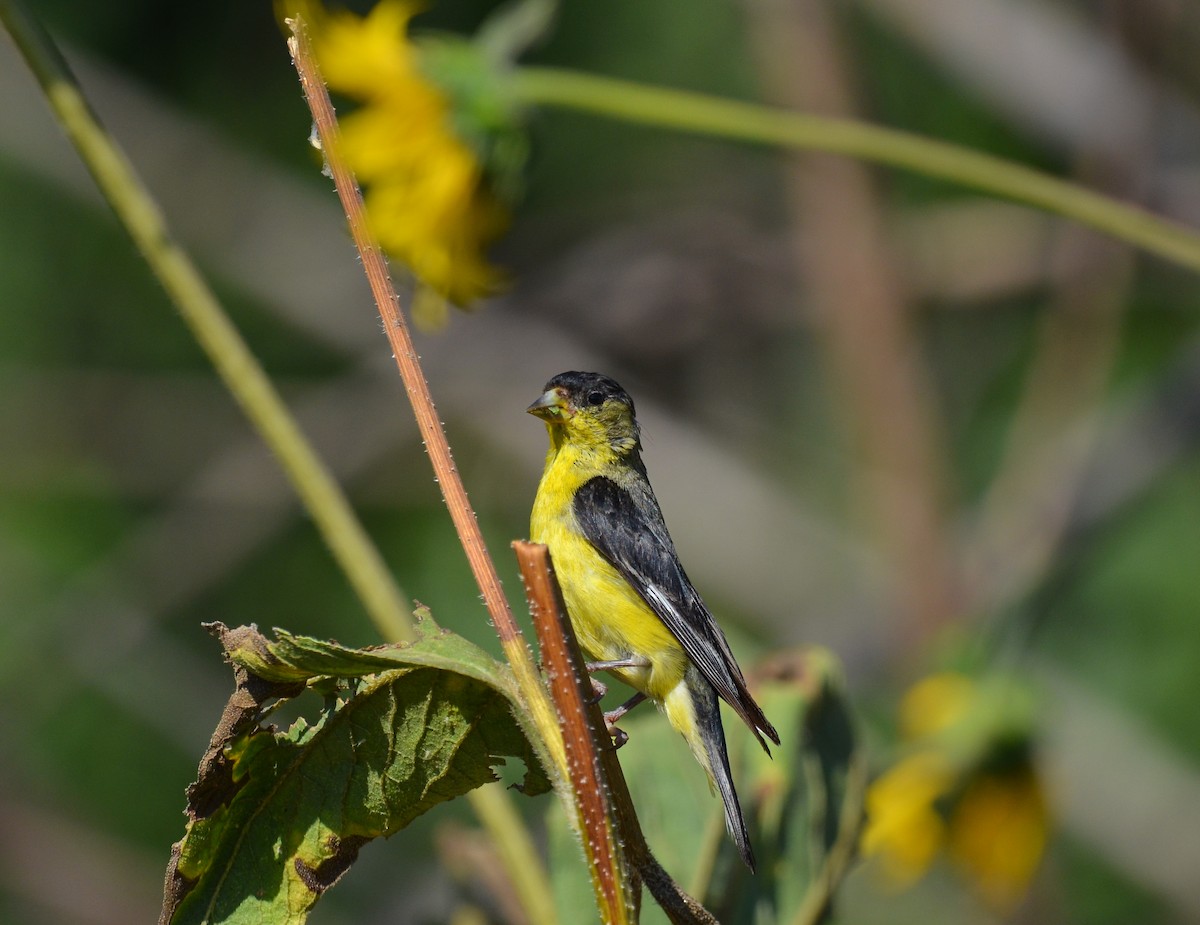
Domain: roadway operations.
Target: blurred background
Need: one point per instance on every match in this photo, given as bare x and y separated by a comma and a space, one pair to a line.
882, 414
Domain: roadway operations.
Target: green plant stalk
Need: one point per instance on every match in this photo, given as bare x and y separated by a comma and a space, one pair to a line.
245, 378
514, 845
814, 908
202, 313
707, 115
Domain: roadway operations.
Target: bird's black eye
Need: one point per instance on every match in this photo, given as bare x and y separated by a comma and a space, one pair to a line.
595, 398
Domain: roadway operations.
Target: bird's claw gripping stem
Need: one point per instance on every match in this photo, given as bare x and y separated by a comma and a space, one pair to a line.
599, 689
612, 717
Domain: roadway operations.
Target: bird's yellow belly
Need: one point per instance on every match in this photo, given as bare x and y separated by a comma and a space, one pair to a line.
611, 620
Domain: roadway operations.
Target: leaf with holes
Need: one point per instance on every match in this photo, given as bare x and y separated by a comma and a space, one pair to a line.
276, 817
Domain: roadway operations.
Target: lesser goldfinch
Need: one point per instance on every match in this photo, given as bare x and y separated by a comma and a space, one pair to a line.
633, 608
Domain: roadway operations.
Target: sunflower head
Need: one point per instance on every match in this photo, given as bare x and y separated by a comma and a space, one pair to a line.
421, 155
965, 787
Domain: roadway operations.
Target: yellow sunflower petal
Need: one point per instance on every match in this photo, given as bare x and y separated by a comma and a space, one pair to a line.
427, 198
369, 56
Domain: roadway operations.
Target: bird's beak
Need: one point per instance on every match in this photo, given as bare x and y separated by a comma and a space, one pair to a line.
553, 407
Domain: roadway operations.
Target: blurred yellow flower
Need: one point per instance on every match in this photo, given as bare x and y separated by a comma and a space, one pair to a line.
427, 198
998, 832
966, 787
935, 703
902, 824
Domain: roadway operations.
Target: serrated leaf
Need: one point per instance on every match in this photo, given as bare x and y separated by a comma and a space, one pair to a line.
285, 813
303, 656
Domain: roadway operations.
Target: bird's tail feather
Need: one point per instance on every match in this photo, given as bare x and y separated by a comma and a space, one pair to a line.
708, 744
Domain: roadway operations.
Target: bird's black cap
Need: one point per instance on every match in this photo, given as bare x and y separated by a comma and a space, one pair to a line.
590, 388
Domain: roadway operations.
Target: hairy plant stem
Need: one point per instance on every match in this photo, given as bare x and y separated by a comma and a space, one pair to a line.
707, 115
409, 365
619, 858
515, 848
244, 377
615, 880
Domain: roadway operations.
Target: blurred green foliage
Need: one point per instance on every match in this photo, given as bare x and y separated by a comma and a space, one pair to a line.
667, 260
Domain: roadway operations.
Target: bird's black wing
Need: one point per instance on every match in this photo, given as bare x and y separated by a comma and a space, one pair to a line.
626, 527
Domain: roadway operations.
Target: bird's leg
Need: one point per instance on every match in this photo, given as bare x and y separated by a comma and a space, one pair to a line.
599, 688
619, 736
612, 717
631, 661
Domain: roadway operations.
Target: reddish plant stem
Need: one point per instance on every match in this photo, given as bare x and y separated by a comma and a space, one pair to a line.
428, 422
396, 329
614, 880
602, 797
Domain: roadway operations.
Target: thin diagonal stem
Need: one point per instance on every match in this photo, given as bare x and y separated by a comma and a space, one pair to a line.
529, 876
428, 422
353, 550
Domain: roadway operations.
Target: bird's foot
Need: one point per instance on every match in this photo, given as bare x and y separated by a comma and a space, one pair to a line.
612, 717
599, 689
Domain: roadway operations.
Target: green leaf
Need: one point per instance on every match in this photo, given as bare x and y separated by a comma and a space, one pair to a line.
813, 829
804, 803
292, 657
484, 115
278, 816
